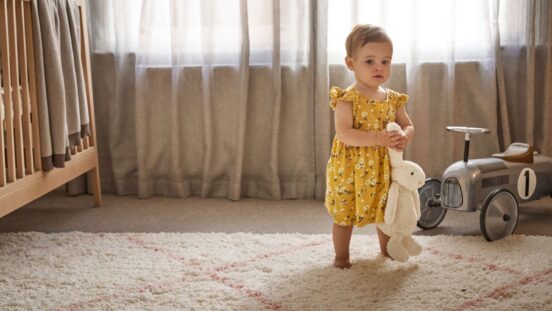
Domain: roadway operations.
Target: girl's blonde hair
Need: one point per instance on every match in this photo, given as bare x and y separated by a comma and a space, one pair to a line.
362, 34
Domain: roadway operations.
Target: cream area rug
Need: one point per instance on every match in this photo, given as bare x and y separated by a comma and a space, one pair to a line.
217, 271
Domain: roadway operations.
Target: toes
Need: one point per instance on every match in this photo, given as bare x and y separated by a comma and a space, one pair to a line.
342, 264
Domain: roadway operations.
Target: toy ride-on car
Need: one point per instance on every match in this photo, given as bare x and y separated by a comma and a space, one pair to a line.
494, 185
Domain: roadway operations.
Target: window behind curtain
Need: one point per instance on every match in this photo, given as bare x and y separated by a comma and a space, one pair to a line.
164, 31
428, 30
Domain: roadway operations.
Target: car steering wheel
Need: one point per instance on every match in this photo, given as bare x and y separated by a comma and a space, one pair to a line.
468, 131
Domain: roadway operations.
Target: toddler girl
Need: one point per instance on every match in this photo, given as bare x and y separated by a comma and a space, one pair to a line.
358, 171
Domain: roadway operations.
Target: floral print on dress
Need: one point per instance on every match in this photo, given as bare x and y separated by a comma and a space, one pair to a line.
358, 178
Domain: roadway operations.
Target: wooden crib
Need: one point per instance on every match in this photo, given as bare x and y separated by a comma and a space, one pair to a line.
22, 178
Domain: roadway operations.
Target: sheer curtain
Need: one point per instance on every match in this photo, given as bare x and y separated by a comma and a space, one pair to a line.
525, 72
230, 98
209, 98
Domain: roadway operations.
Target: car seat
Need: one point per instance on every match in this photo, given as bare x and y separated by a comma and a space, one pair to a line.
517, 152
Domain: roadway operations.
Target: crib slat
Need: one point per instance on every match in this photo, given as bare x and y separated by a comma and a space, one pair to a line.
16, 109
85, 56
3, 42
9, 163
32, 86
26, 117
95, 173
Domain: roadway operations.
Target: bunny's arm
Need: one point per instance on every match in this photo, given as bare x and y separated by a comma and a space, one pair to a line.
392, 203
416, 198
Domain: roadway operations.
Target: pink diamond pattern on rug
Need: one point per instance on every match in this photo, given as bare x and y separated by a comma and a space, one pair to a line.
276, 272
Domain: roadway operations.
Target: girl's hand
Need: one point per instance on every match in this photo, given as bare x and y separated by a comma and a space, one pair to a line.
401, 143
389, 139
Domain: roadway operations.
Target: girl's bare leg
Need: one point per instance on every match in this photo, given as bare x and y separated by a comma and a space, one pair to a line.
383, 240
342, 239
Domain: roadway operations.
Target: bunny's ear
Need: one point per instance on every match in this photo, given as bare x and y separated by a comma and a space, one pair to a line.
395, 157
392, 126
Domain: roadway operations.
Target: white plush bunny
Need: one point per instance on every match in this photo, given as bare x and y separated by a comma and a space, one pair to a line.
403, 204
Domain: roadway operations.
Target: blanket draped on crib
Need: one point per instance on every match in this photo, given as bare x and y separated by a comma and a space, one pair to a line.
63, 109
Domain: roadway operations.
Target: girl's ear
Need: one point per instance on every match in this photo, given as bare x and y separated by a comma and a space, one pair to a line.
349, 62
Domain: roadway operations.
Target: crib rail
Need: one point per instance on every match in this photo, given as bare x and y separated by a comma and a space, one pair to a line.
19, 139
20, 155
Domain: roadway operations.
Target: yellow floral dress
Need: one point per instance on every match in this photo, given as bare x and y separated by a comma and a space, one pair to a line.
357, 178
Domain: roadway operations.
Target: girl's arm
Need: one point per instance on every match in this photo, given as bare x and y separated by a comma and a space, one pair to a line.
404, 121
359, 138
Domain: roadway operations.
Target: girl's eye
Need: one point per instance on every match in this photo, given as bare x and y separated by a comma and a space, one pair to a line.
385, 62
370, 61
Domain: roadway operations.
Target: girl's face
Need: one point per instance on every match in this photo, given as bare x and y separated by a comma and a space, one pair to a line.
371, 64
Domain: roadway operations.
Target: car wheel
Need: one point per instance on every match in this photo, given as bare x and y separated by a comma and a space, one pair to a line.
431, 215
499, 215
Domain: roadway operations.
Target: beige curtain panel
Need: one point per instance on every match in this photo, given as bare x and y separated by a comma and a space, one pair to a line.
230, 98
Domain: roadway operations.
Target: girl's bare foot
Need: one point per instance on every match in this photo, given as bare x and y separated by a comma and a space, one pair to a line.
342, 263
385, 254
341, 238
